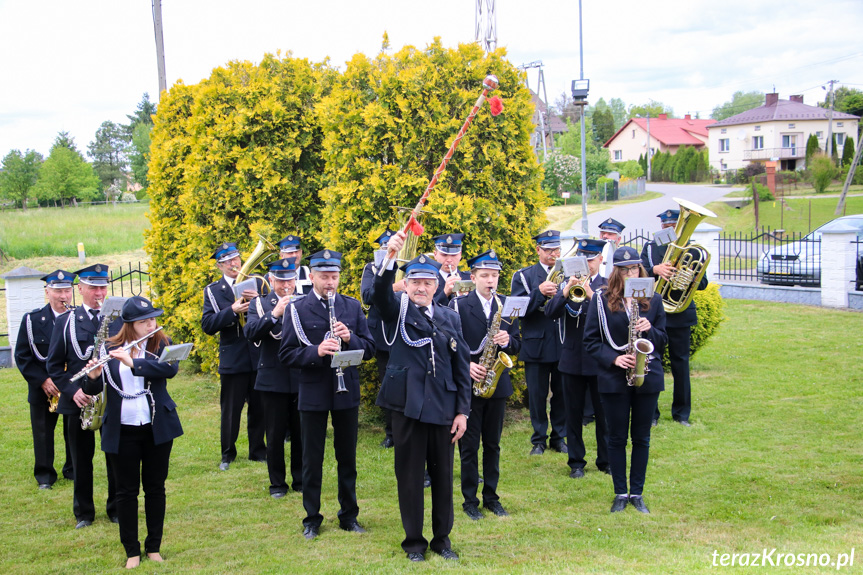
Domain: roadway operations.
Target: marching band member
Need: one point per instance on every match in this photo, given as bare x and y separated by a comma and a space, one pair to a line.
140, 423
70, 350
277, 385
678, 325
447, 252
376, 327
308, 342
238, 358
609, 231
606, 337
31, 349
427, 386
577, 367
291, 247
540, 346
477, 311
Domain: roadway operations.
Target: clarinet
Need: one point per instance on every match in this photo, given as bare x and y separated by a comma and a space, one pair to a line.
340, 374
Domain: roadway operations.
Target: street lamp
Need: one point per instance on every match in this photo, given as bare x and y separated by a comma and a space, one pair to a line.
648, 144
580, 88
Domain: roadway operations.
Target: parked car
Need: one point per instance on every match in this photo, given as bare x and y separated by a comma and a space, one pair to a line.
798, 262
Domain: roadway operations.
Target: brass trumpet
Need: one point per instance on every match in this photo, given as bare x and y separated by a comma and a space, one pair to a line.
578, 293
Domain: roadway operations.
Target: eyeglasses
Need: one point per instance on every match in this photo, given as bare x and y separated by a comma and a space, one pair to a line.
551, 250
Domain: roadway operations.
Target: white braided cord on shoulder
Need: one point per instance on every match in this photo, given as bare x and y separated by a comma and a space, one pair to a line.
30, 338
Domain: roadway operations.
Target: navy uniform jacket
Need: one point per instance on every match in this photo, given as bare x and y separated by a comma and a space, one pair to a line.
265, 331
32, 344
651, 255
318, 380
411, 385
63, 361
439, 296
236, 353
540, 341
166, 422
474, 327
612, 379
376, 324
574, 358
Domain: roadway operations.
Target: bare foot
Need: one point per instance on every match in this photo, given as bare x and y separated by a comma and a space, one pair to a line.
133, 562
155, 557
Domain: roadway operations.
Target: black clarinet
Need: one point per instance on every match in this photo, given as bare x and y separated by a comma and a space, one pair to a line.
340, 374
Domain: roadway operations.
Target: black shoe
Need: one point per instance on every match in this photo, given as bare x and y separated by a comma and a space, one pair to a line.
223, 466
44, 486
70, 476
298, 489
637, 501
388, 443
258, 459
619, 503
447, 554
559, 446
538, 449
496, 508
473, 512
353, 526
479, 480
606, 470
576, 473
654, 423
83, 523
310, 531
278, 494
416, 556
683, 422
113, 519
427, 480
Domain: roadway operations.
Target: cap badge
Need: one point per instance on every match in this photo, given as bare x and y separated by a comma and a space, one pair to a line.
285, 263
583, 243
98, 268
422, 259
224, 246
549, 234
492, 255
608, 221
668, 214
326, 254
290, 238
449, 239
144, 304
626, 255
60, 276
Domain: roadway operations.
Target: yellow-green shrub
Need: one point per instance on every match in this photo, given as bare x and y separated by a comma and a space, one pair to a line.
711, 313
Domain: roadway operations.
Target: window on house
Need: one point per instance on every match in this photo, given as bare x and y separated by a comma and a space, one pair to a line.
758, 142
757, 128
840, 138
724, 145
839, 124
618, 155
722, 131
819, 134
790, 142
633, 134
790, 126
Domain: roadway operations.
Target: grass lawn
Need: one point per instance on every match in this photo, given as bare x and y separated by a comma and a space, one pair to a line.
562, 217
795, 216
772, 460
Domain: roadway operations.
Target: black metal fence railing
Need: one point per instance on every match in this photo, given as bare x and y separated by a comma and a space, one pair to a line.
770, 257
636, 239
858, 280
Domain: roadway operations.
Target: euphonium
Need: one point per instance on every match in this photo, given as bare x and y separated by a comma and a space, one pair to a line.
640, 347
261, 252
493, 361
689, 261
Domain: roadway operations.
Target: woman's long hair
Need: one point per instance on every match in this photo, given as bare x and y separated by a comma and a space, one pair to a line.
127, 335
616, 283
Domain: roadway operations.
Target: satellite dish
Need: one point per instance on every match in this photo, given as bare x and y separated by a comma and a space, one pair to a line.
741, 134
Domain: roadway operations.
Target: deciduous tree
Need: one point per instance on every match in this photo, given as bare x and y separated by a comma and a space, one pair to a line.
65, 176
19, 175
739, 103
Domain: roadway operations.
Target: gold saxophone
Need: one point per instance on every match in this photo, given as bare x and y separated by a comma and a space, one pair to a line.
493, 361
92, 413
639, 347
689, 261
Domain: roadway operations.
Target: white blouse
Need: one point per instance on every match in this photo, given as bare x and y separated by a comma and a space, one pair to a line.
134, 411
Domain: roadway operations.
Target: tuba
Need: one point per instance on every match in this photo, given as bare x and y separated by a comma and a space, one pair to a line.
689, 261
262, 251
493, 361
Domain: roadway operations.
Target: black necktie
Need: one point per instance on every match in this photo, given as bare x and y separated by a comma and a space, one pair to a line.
425, 310
95, 315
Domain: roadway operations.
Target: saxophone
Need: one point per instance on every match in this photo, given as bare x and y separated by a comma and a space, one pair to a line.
493, 361
639, 347
92, 413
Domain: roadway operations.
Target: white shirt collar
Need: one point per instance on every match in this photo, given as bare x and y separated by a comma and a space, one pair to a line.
229, 281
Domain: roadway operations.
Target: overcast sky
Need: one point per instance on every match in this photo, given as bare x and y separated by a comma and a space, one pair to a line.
72, 65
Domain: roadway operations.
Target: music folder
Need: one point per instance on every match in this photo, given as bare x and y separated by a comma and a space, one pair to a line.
176, 352
240, 287
665, 236
638, 287
515, 306
347, 358
575, 266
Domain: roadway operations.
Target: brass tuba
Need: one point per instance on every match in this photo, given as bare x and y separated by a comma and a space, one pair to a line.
261, 252
689, 261
493, 361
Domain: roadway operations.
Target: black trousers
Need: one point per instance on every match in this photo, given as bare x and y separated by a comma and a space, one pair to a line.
540, 378
280, 411
621, 409
82, 444
383, 357
43, 423
237, 389
679, 339
485, 426
418, 444
139, 462
314, 434
576, 390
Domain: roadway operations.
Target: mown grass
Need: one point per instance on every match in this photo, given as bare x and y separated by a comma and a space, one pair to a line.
794, 216
772, 461
562, 217
104, 229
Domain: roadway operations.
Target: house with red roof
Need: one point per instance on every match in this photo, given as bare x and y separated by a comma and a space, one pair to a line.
777, 131
666, 135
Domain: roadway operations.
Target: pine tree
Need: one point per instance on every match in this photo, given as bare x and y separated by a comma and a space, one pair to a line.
848, 152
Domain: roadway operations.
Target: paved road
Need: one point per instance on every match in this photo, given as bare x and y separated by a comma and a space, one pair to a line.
642, 215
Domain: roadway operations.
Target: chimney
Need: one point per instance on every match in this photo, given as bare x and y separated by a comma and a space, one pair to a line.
796, 98
771, 99
663, 116
687, 117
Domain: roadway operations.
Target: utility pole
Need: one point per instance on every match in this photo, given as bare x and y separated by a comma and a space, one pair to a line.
542, 116
830, 120
583, 166
648, 147
486, 25
848, 179
160, 46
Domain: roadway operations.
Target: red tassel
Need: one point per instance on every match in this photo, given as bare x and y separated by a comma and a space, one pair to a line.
496, 105
415, 227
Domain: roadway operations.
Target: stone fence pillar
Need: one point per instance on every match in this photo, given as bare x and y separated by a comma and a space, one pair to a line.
24, 292
838, 262
707, 235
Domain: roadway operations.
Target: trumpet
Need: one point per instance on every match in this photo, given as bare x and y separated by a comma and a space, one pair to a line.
340, 373
578, 293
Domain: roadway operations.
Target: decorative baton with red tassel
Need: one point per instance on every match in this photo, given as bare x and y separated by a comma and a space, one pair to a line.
413, 226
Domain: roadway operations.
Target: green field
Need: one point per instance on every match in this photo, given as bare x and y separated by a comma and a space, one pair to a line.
773, 460
796, 215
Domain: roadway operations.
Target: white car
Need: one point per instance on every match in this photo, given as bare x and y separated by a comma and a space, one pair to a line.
799, 261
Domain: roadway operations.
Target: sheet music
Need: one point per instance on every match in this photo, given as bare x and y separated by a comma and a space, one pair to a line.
112, 306
347, 358
515, 306
240, 287
177, 352
575, 266
638, 287
665, 236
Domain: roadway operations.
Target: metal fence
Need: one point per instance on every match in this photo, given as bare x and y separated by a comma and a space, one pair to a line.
770, 257
858, 283
636, 239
